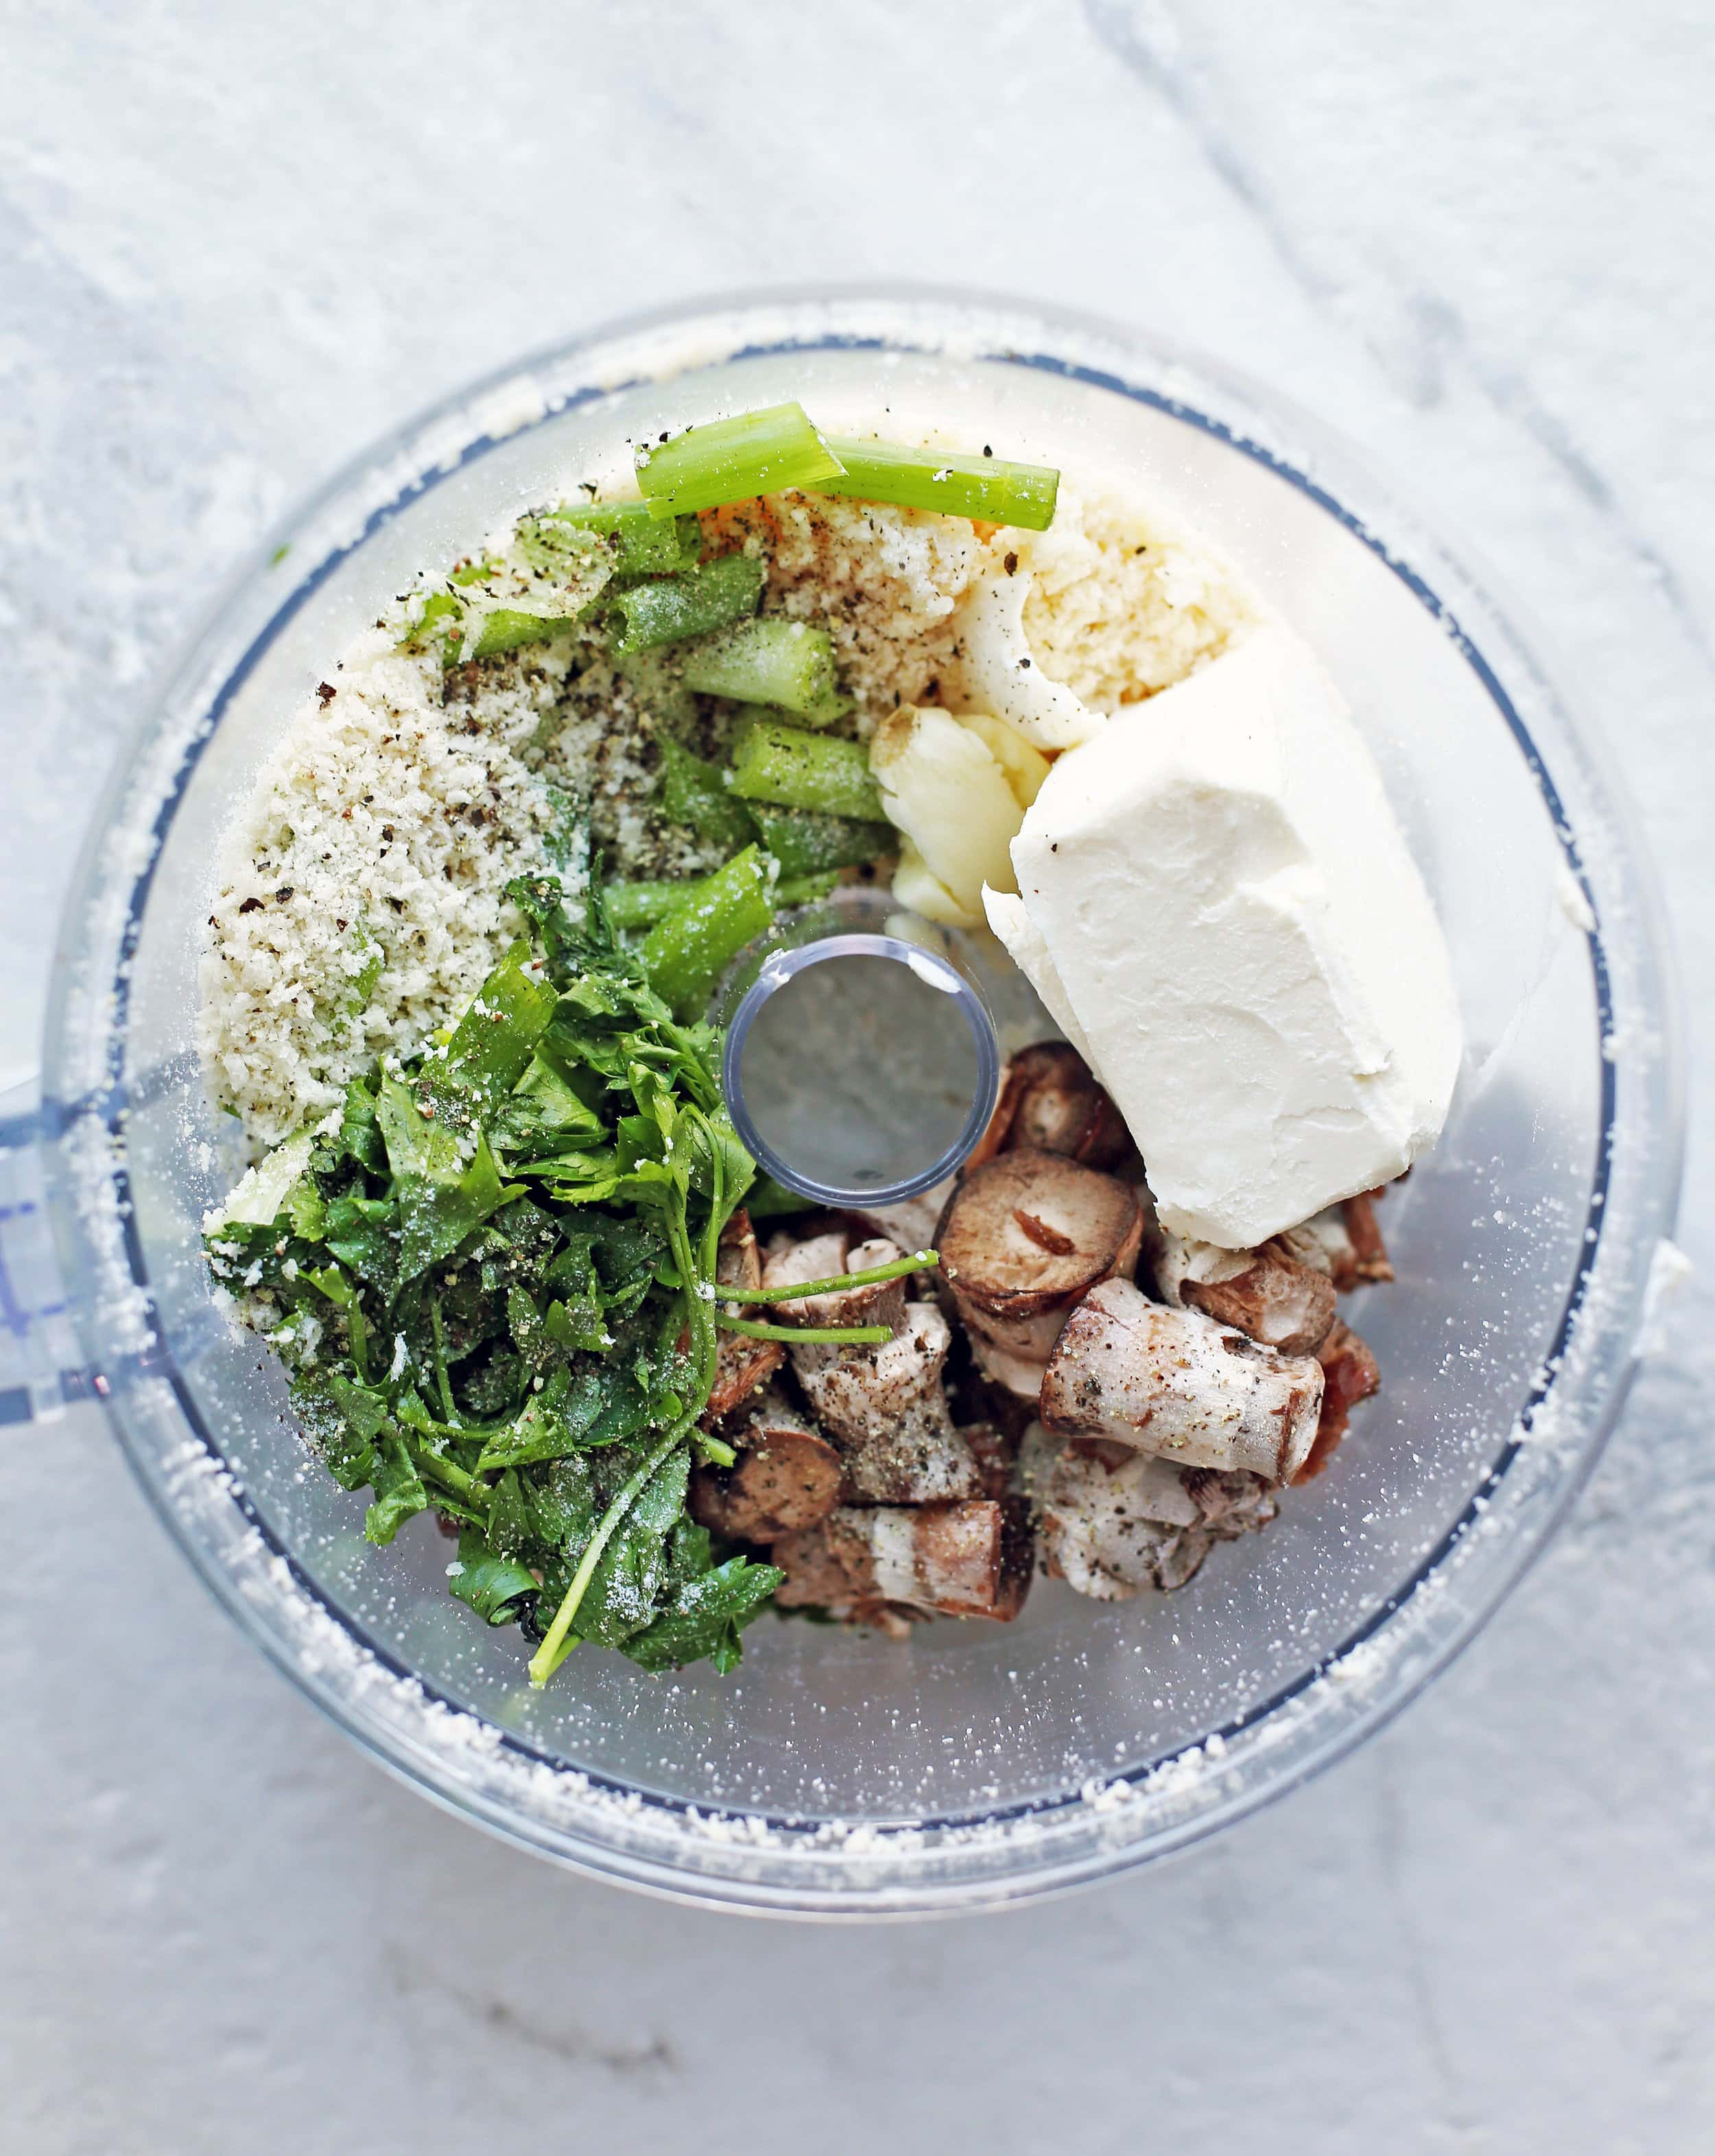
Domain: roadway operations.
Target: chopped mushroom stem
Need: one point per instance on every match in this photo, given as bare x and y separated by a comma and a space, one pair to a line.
1343, 1241
1050, 1102
1174, 1382
1268, 1293
743, 1366
1023, 1239
884, 1406
957, 1560
1351, 1374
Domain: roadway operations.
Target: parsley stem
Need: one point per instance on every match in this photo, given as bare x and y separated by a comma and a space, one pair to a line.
442, 1384
847, 1335
717, 1196
447, 1472
871, 1276
549, 1655
565, 1647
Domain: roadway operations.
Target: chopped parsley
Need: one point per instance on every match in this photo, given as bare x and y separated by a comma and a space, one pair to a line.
494, 1282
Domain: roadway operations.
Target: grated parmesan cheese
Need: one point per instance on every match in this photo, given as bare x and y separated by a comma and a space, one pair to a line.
1125, 601
360, 894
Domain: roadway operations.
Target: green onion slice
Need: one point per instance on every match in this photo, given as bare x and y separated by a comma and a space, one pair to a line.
791, 769
672, 609
725, 460
771, 660
989, 488
642, 545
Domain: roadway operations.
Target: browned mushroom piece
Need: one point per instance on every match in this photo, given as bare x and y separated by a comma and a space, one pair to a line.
1351, 1374
1114, 1523
920, 1459
1022, 1239
1342, 1241
1231, 1504
815, 1578
996, 1455
1321, 1243
744, 1365
959, 1560
825, 1257
787, 1477
1370, 1263
1267, 1294
1175, 1383
1050, 1102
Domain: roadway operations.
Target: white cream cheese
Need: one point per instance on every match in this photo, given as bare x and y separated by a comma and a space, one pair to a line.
1025, 945
1215, 890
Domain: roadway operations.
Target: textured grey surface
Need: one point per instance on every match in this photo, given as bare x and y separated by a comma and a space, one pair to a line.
236, 242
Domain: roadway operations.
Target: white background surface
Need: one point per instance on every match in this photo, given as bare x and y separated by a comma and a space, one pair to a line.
237, 242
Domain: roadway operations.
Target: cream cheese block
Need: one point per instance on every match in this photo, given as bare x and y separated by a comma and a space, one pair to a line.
1217, 904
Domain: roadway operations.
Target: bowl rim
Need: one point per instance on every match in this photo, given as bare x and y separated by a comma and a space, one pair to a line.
910, 1866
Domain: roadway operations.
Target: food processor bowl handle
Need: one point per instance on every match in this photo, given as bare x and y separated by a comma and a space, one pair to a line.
41, 1369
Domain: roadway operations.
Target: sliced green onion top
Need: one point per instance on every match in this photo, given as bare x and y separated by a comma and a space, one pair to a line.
672, 609
642, 545
695, 793
773, 660
504, 629
989, 488
725, 460
784, 765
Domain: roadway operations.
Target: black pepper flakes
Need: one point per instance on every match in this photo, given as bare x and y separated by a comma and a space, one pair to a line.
327, 692
1011, 565
251, 905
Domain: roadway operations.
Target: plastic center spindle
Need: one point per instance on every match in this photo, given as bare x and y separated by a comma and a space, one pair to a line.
861, 1068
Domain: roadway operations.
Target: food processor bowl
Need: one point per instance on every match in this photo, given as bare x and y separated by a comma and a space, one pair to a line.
838, 1773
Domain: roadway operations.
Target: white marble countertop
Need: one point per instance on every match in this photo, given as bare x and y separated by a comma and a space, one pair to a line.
235, 245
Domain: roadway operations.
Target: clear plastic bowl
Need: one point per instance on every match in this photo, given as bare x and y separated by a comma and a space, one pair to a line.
837, 1773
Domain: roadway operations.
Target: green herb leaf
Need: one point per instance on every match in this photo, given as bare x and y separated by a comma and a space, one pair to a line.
399, 1494
705, 1617
493, 1585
